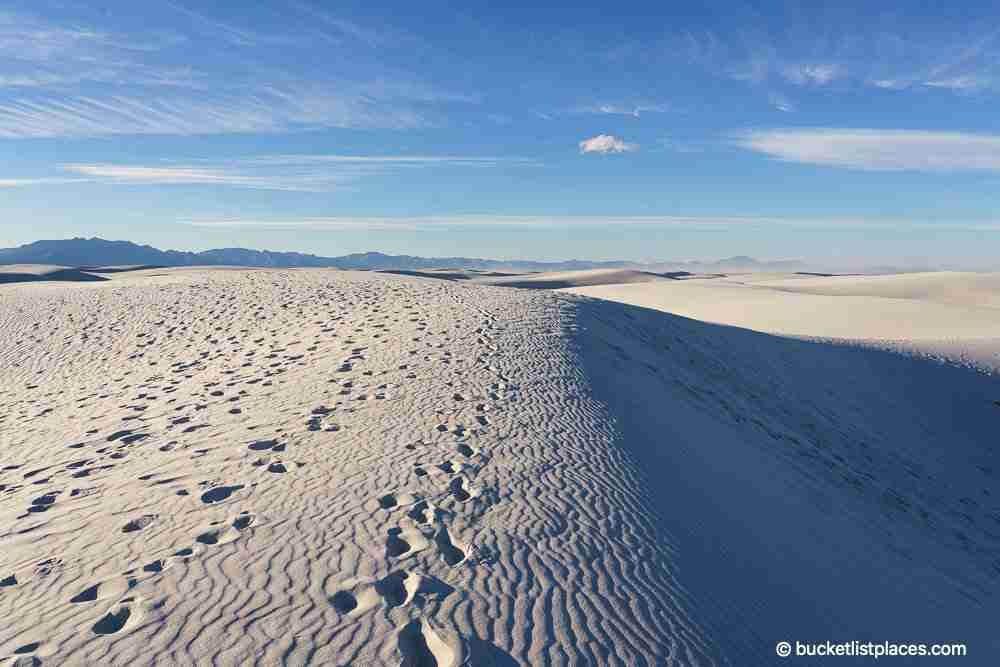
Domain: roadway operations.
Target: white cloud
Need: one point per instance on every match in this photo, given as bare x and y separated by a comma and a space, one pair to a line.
819, 48
430, 223
186, 175
961, 83
270, 110
150, 85
30, 182
817, 74
450, 221
878, 150
291, 173
889, 84
39, 54
634, 110
606, 143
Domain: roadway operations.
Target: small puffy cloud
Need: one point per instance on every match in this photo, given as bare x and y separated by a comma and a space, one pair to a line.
606, 143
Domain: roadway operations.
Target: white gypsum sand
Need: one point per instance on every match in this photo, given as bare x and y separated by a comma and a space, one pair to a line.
320, 467
954, 316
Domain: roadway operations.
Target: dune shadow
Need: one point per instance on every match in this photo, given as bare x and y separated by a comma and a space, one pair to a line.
772, 464
61, 275
486, 654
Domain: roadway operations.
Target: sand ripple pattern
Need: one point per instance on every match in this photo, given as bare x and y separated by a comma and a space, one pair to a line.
320, 467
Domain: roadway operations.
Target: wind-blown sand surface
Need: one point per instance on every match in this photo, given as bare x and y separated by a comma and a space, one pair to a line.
322, 467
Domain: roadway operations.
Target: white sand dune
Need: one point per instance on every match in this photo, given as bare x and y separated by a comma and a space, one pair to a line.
341, 468
904, 307
964, 289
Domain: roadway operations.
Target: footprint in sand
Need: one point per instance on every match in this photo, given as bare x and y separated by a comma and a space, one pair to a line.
138, 524
262, 445
461, 490
126, 614
419, 643
453, 552
392, 500
104, 590
344, 602
397, 589
219, 493
423, 513
404, 542
44, 502
227, 534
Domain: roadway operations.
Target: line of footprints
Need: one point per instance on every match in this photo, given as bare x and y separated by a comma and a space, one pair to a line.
423, 525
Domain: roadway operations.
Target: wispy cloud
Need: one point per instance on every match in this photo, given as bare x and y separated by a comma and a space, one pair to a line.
33, 182
188, 175
961, 83
451, 221
831, 49
604, 144
38, 54
71, 80
222, 30
878, 150
431, 223
269, 110
290, 173
812, 74
634, 110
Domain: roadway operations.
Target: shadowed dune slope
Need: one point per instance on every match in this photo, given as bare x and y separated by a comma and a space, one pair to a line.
566, 279
312, 467
813, 490
24, 273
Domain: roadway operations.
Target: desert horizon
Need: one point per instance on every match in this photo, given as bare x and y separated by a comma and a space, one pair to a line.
393, 334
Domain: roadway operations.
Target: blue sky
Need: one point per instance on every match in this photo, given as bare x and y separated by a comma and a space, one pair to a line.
852, 134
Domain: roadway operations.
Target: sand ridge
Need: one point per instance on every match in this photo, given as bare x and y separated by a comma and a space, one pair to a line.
313, 467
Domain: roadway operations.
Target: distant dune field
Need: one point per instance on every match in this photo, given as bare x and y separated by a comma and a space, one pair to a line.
955, 314
230, 467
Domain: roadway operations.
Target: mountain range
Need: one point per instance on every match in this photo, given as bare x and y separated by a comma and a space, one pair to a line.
96, 252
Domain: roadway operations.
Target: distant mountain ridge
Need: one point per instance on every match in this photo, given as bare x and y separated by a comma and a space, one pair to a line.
96, 252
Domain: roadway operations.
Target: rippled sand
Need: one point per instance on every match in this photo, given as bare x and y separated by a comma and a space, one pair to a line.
343, 468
